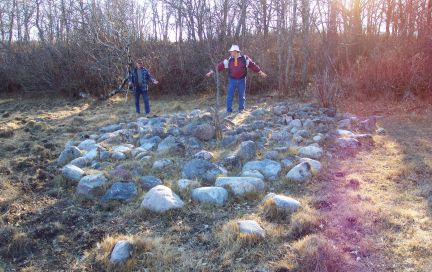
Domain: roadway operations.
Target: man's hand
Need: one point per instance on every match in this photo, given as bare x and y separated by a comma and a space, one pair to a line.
209, 74
262, 74
155, 81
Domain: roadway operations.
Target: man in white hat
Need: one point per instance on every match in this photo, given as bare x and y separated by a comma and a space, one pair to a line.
237, 65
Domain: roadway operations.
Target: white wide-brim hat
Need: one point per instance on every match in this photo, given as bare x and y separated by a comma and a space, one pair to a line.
234, 47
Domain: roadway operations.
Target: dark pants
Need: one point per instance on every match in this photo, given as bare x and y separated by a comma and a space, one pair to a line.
240, 85
144, 93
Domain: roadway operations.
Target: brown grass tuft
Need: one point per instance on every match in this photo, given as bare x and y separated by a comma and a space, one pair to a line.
316, 253
273, 213
20, 246
148, 253
303, 223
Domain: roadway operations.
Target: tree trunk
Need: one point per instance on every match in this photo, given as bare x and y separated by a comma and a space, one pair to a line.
305, 30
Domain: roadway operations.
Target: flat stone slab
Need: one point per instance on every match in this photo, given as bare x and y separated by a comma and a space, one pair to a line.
201, 169
121, 191
161, 199
269, 168
348, 143
241, 185
211, 195
148, 182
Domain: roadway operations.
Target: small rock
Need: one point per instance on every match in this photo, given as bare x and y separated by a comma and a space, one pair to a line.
122, 252
251, 227
148, 182
283, 202
204, 155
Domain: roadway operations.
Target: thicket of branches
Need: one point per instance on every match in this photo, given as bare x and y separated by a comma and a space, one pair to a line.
368, 46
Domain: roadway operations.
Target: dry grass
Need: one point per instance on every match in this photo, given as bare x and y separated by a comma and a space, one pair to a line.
148, 253
317, 253
383, 200
377, 214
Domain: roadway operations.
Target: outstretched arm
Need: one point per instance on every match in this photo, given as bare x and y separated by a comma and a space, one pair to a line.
219, 67
254, 67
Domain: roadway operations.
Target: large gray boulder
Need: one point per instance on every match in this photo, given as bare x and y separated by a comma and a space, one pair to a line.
210, 195
148, 182
203, 132
149, 143
162, 164
241, 186
88, 145
110, 128
300, 173
161, 199
247, 150
311, 151
68, 154
170, 146
91, 186
348, 143
80, 162
125, 148
314, 164
202, 170
269, 168
121, 191
72, 172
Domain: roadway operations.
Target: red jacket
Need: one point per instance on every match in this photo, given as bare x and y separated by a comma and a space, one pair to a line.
238, 69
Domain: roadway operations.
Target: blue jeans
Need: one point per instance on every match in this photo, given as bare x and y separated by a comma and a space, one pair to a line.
240, 84
144, 93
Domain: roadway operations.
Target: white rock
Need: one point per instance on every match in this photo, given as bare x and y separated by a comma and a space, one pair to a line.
283, 202
211, 195
315, 165
241, 185
251, 227
345, 133
161, 199
72, 172
311, 152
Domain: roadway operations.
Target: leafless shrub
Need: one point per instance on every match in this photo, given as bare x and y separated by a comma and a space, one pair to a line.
327, 90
